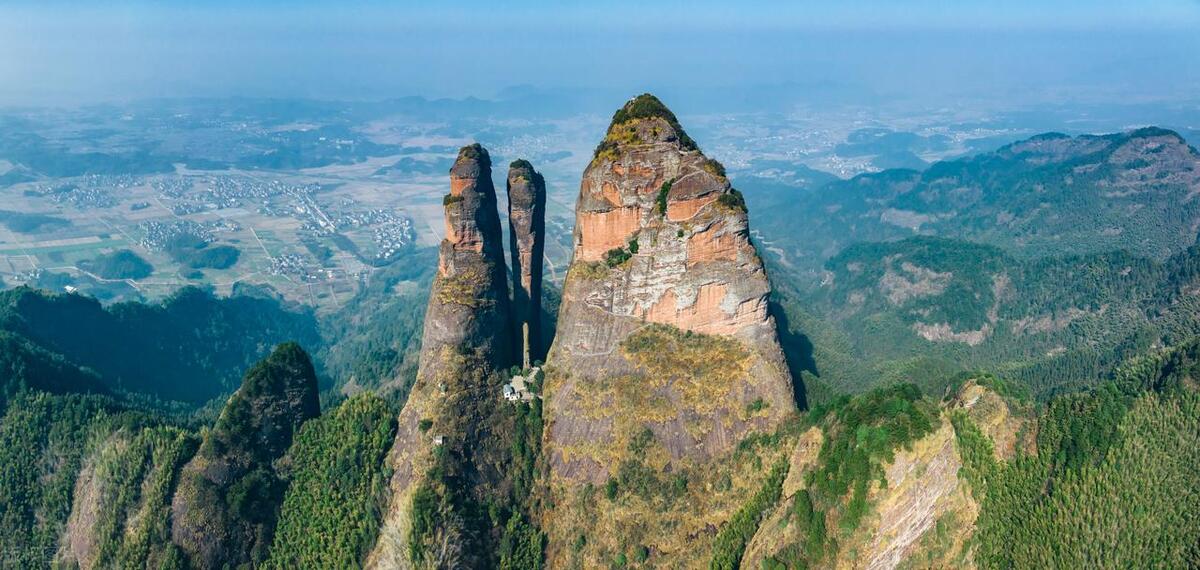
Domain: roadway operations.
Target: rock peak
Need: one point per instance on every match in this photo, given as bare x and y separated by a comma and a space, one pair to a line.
522, 168
467, 337
473, 153
645, 106
469, 305
662, 237
1152, 131
254, 431
527, 237
473, 164
643, 120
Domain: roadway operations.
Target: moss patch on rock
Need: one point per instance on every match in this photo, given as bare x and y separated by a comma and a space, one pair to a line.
462, 289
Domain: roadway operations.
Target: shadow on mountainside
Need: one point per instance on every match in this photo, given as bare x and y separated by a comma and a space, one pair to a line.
797, 350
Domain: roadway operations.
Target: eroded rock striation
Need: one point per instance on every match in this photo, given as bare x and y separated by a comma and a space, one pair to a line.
665, 356
527, 242
661, 237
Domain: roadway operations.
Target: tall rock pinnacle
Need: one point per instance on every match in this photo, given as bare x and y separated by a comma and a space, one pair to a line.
443, 429
527, 241
469, 306
665, 356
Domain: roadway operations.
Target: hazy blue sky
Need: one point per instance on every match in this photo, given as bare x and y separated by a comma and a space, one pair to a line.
63, 52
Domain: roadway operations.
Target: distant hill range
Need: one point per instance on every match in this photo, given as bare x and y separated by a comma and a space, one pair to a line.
1049, 195
1047, 260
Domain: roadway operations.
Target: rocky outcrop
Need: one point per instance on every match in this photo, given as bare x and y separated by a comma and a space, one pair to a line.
527, 242
224, 510
444, 458
663, 327
921, 516
660, 237
923, 512
923, 488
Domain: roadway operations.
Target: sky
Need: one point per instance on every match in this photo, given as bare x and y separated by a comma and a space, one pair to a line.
63, 52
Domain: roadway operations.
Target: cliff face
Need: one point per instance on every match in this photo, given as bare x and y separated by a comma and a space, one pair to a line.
663, 331
661, 237
451, 444
923, 517
527, 242
223, 512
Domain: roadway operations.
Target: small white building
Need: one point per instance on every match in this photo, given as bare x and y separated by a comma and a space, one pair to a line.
517, 389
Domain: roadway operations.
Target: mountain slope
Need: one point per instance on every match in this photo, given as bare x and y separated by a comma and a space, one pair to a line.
925, 309
224, 509
206, 342
991, 481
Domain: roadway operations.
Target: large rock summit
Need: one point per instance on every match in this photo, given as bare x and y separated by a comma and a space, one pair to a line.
469, 305
665, 359
662, 237
664, 341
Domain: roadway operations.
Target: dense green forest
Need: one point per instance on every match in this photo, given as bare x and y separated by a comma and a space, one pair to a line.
227, 501
1048, 195
197, 253
928, 309
1107, 478
26, 223
120, 264
26, 366
375, 338
1045, 509
191, 348
1114, 483
1049, 261
337, 484
45, 441
483, 481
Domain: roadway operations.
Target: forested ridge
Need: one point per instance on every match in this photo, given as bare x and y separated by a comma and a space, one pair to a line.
927, 309
1049, 195
191, 347
1114, 481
